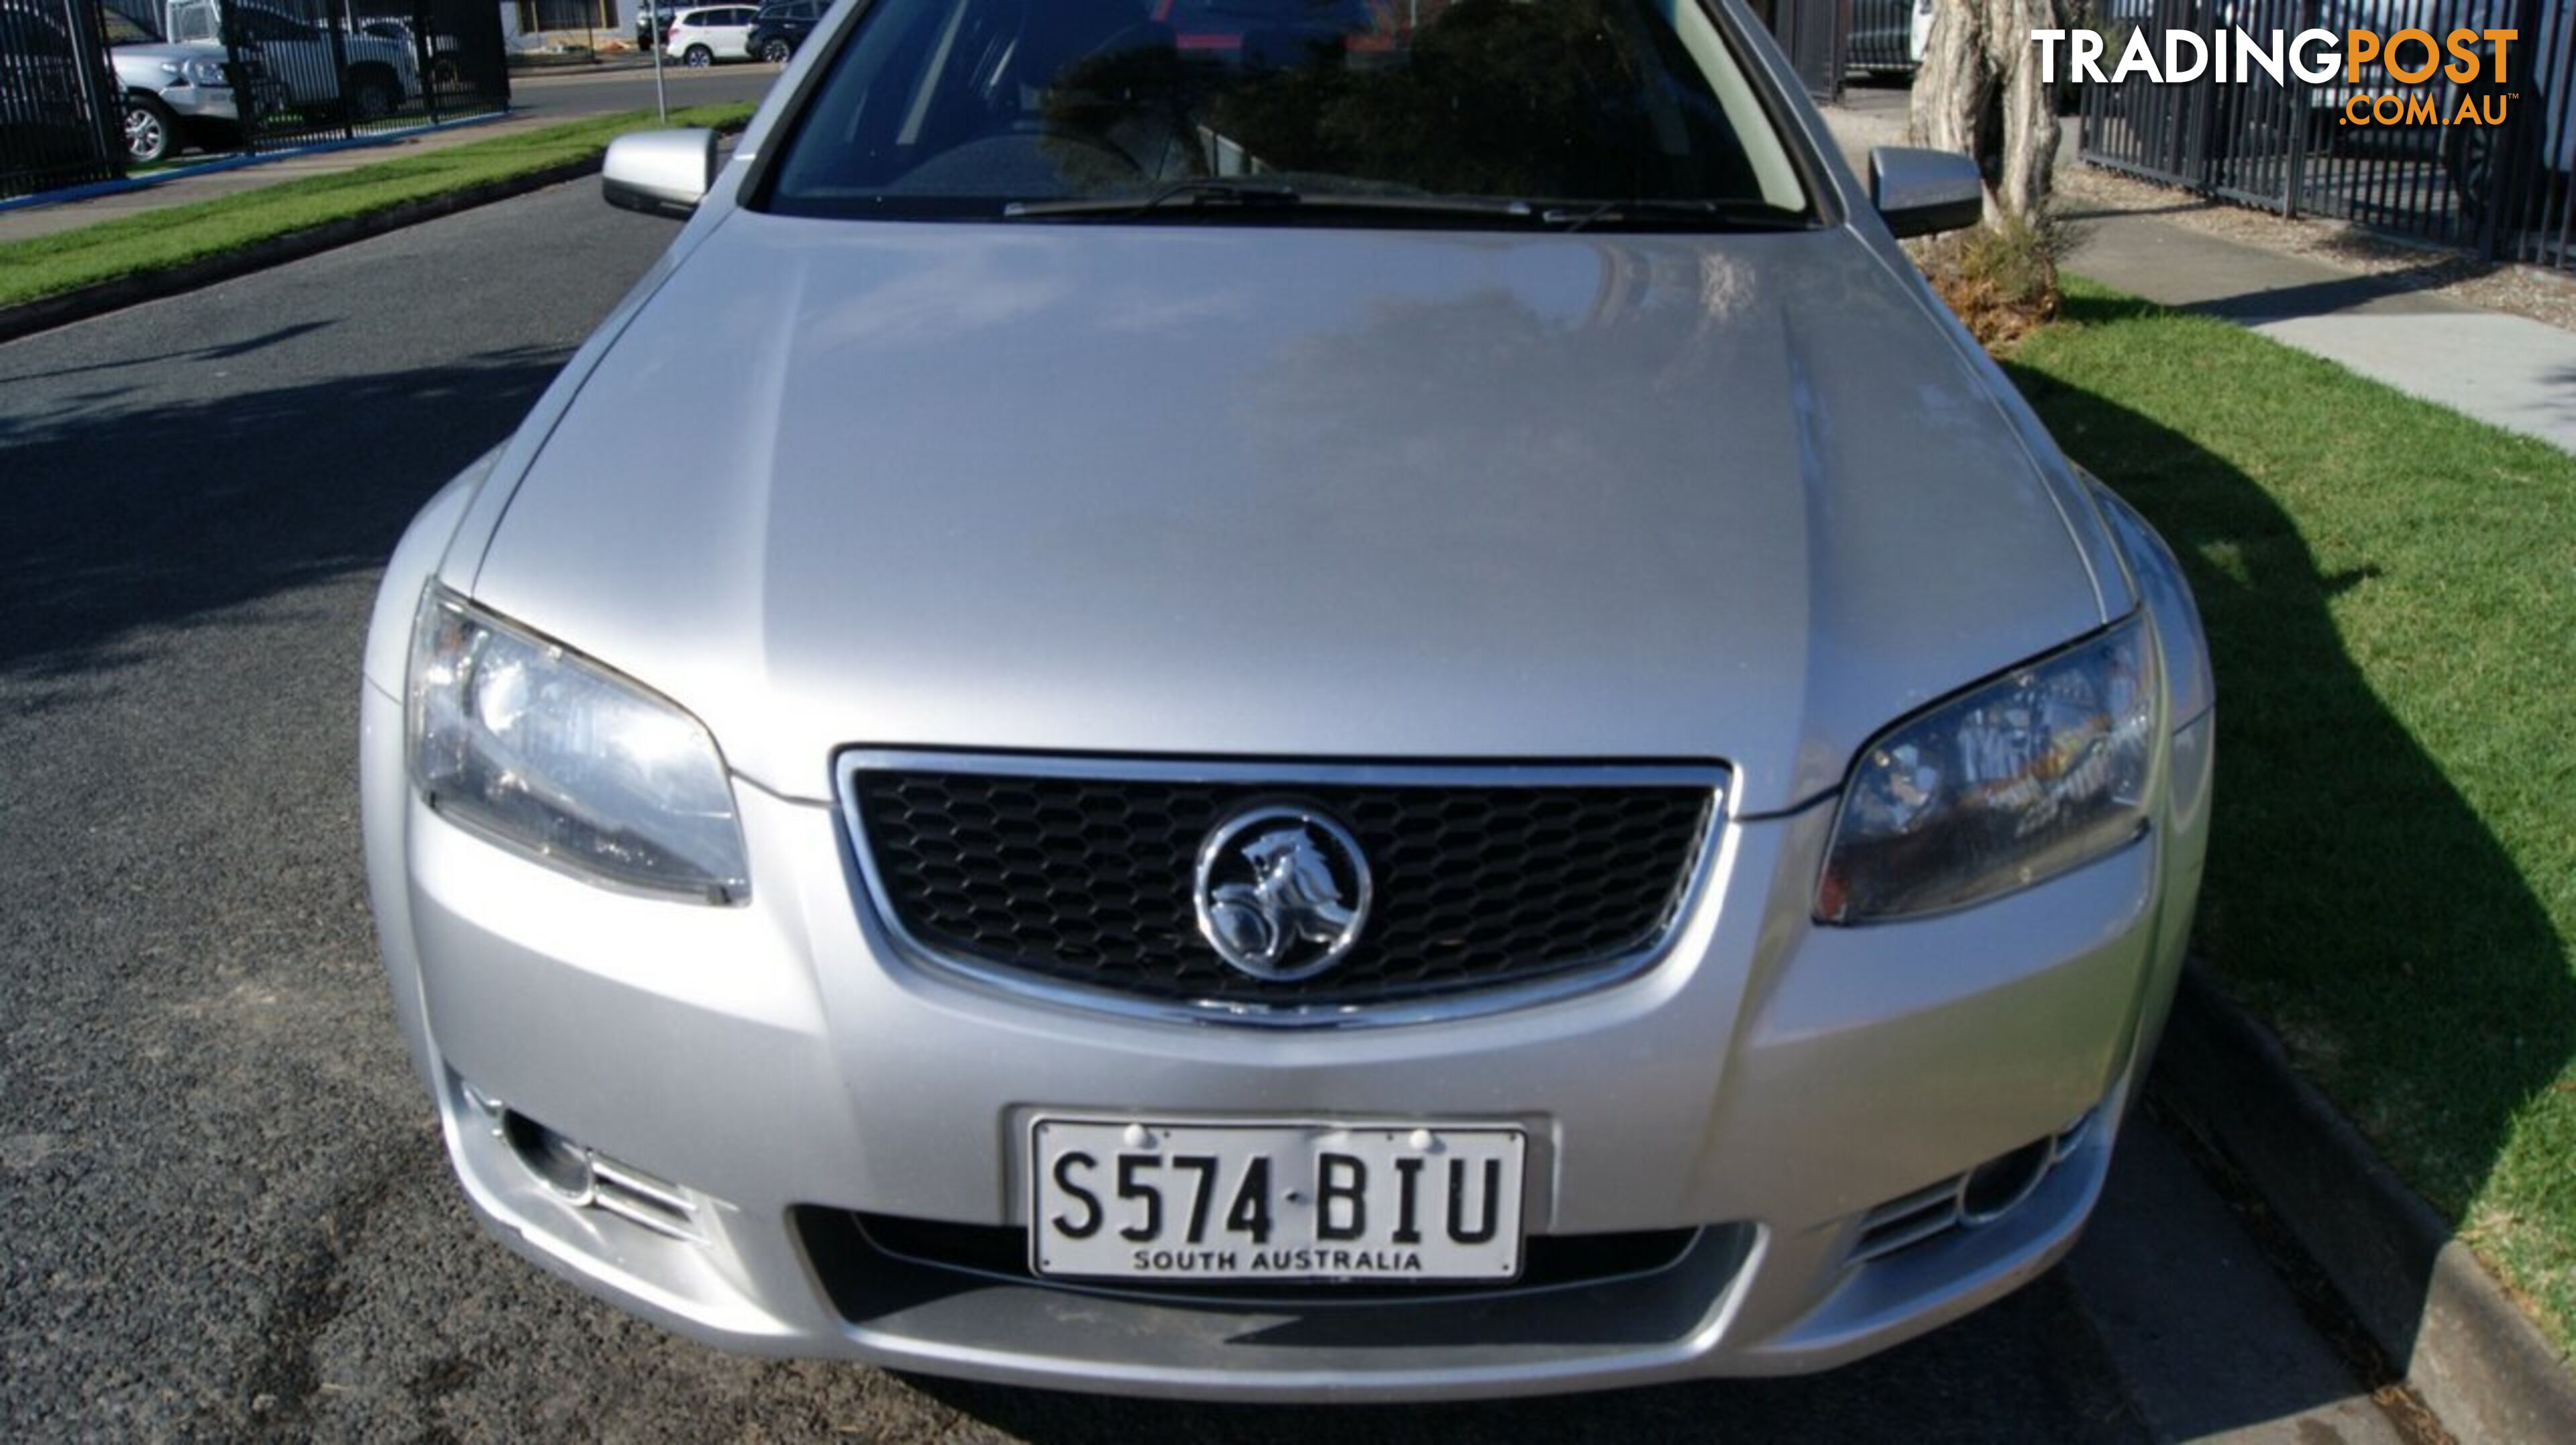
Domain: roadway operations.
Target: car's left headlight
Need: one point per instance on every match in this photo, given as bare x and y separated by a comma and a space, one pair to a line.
208, 72
2018, 780
545, 750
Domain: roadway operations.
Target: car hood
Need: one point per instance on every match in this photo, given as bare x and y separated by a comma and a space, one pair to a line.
1290, 492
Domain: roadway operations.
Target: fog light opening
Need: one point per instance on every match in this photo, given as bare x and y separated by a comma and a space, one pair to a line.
2070, 1138
559, 1164
1992, 1189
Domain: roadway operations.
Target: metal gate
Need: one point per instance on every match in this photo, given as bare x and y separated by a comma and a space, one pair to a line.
2291, 146
61, 123
1882, 36
315, 70
1816, 35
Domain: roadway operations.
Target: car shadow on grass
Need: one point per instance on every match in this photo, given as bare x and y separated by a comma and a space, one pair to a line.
2355, 896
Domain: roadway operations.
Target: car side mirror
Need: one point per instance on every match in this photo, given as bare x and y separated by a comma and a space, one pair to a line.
1922, 193
659, 172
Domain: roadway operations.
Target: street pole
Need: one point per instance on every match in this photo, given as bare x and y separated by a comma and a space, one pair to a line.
653, 29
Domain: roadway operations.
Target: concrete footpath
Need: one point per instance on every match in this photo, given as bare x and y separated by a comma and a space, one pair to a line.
538, 99
2512, 371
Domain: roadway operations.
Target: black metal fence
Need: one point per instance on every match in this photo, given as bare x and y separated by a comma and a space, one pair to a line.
2413, 168
1882, 36
60, 120
1815, 34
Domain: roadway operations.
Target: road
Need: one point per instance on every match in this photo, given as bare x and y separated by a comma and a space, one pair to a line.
225, 1207
554, 96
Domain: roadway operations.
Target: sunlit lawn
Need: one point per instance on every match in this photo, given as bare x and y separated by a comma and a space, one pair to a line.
2390, 590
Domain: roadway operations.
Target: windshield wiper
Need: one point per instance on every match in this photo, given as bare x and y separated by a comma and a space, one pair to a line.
1200, 191
1665, 213
1228, 193
1193, 192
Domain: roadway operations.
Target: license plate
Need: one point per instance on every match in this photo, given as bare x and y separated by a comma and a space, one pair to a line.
1373, 1203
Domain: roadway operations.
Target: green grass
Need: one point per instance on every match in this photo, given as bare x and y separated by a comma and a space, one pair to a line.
176, 235
2390, 591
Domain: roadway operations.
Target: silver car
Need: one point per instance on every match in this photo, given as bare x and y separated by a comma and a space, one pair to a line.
1329, 702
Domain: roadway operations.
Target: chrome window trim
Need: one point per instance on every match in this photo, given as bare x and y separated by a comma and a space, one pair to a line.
1465, 1003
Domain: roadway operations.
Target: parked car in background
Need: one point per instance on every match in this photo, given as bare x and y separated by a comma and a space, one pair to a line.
652, 18
180, 93
781, 26
707, 35
1378, 715
442, 52
2544, 140
383, 73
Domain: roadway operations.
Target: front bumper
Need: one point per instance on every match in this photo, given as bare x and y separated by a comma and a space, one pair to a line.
1768, 1084
203, 103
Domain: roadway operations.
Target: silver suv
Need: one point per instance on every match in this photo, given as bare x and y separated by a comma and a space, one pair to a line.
174, 93
307, 61
1334, 702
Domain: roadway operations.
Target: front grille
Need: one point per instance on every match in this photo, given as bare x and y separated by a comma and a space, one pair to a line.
1002, 1252
1088, 879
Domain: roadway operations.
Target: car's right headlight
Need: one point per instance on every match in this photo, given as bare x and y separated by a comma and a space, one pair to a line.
547, 751
2038, 771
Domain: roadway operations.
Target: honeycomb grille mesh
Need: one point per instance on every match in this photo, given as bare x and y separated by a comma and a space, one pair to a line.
1088, 880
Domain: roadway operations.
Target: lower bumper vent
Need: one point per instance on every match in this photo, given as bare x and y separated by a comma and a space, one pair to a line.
1964, 1201
1549, 1262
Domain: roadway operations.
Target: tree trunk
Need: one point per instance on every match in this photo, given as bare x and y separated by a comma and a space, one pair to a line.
1979, 93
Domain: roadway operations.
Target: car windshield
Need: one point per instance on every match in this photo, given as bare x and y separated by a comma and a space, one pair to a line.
123, 29
1629, 112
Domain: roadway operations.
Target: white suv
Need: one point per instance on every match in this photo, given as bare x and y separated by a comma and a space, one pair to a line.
705, 36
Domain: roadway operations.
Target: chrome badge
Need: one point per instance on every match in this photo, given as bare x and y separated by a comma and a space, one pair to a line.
1281, 892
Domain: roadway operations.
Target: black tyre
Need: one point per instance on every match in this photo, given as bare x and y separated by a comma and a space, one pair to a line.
2469, 154
776, 52
698, 56
371, 96
151, 132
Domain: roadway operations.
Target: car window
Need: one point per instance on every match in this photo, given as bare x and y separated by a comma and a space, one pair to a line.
123, 29
957, 107
268, 25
